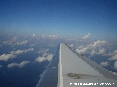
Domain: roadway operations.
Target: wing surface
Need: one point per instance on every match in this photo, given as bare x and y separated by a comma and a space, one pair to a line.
70, 69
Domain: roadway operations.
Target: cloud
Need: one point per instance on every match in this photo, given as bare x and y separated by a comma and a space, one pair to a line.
31, 45
86, 36
113, 55
71, 45
43, 36
49, 36
93, 48
52, 44
21, 51
43, 51
5, 57
0, 66
20, 65
115, 65
53, 36
22, 43
98, 43
71, 39
44, 58
101, 51
93, 52
104, 63
13, 54
82, 51
10, 42
33, 35
114, 73
40, 59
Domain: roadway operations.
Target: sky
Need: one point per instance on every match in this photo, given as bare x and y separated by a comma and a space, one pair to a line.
65, 18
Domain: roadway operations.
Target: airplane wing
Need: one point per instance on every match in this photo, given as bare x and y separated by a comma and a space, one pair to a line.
70, 69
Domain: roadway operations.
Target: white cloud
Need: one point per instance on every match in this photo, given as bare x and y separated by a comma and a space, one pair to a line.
10, 42
52, 44
13, 54
6, 42
31, 45
49, 36
98, 43
104, 63
93, 52
6, 57
40, 59
43, 51
115, 73
22, 43
53, 36
21, 51
14, 39
33, 35
86, 36
101, 51
43, 36
71, 45
113, 55
0, 66
115, 65
71, 39
82, 51
44, 58
49, 57
18, 65
93, 48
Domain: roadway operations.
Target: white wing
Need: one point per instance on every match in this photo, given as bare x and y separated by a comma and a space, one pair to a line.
70, 69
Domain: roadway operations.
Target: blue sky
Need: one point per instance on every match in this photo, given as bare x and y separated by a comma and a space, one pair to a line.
67, 18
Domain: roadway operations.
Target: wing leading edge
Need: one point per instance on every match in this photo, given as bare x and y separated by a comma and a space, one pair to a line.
70, 69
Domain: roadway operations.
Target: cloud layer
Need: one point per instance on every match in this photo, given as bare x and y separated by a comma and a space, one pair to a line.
13, 54
18, 65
